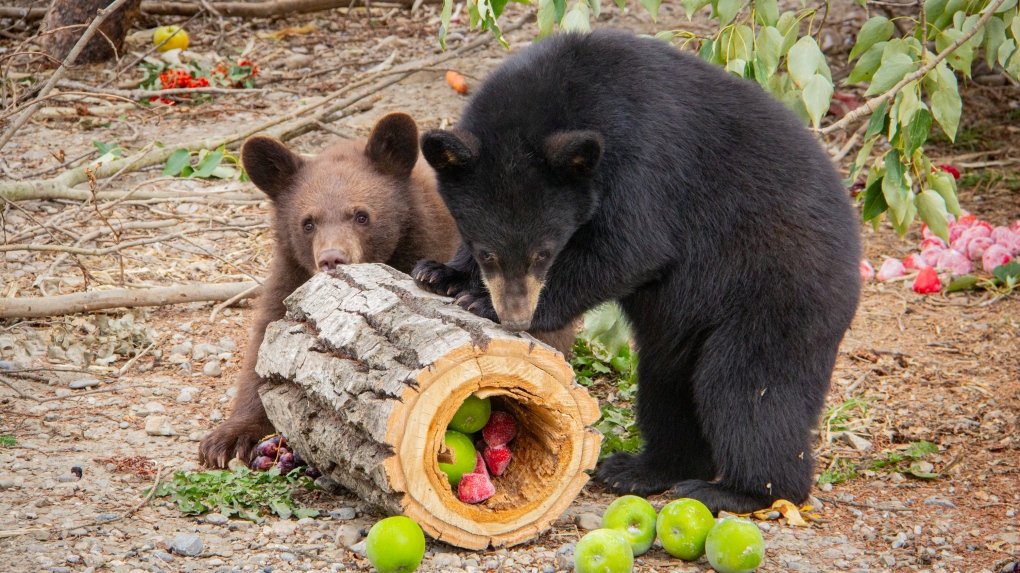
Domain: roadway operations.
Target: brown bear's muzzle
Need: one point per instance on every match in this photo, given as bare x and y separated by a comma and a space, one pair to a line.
330, 259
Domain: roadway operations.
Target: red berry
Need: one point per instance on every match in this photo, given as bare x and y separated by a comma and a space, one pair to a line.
927, 282
867, 271
497, 458
891, 268
914, 261
995, 256
950, 170
479, 464
475, 488
500, 430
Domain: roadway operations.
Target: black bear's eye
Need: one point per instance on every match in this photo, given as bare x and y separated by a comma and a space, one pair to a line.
308, 225
542, 255
487, 257
361, 218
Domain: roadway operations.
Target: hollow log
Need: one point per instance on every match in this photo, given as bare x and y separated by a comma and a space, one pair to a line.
365, 373
109, 38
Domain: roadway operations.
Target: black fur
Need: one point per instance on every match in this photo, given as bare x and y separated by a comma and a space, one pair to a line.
712, 216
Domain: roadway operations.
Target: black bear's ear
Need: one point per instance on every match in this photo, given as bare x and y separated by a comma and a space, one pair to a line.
574, 153
269, 164
393, 145
450, 151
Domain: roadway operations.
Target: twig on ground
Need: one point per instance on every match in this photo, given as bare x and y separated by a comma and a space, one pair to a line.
131, 362
865, 505
872, 104
59, 73
250, 293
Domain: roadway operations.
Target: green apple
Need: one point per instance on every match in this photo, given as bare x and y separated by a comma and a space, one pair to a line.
463, 456
683, 525
634, 517
472, 415
603, 551
735, 546
395, 545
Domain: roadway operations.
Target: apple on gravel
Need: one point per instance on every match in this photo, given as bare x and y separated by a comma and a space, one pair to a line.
683, 525
603, 551
635, 518
395, 545
735, 546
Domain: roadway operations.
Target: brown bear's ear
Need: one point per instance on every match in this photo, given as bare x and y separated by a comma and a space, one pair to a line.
393, 145
269, 164
574, 153
450, 151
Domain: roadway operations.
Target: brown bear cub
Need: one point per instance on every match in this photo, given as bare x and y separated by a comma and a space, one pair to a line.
357, 202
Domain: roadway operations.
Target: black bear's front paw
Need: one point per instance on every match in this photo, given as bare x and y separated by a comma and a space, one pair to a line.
632, 474
441, 279
477, 302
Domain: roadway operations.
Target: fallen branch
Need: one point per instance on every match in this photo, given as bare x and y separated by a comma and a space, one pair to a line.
140, 94
36, 247
264, 9
872, 104
59, 73
37, 307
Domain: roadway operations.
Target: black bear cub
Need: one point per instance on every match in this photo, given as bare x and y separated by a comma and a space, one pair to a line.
607, 167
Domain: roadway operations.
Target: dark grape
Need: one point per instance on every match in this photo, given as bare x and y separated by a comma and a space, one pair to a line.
268, 449
313, 473
285, 462
299, 461
262, 463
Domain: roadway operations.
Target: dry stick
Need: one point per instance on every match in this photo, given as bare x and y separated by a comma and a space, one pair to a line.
872, 104
119, 246
250, 293
864, 505
59, 73
39, 101
37, 307
135, 358
61, 187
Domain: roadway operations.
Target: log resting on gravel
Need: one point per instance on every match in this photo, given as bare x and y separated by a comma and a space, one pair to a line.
366, 371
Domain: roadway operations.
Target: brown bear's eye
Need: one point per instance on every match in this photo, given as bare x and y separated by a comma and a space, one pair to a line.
308, 225
361, 218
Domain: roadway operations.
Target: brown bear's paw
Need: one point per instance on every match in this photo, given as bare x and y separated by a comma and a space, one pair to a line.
632, 474
441, 279
231, 440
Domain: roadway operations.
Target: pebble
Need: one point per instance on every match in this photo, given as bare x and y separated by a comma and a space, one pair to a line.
6, 483
327, 484
227, 343
213, 369
154, 408
163, 556
446, 560
159, 426
347, 535
287, 556
888, 560
187, 394
187, 544
203, 351
856, 442
60, 570
826, 487
358, 548
343, 514
284, 528
73, 559
197, 435
933, 500
83, 383
216, 519
588, 521
67, 478
215, 416
124, 425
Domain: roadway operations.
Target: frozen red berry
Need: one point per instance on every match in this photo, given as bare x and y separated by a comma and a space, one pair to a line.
262, 463
976, 247
479, 463
867, 271
926, 281
891, 269
475, 488
967, 221
931, 255
933, 240
500, 429
955, 262
497, 459
914, 261
995, 256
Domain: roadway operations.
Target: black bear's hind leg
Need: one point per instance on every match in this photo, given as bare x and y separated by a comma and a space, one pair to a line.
635, 474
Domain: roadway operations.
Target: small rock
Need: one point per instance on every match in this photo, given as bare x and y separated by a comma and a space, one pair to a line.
235, 464
154, 408
284, 528
51, 417
564, 558
216, 519
163, 556
856, 442
897, 477
212, 369
926, 467
159, 426
187, 394
547, 568
227, 343
888, 560
197, 435
73, 558
203, 351
60, 570
343, 514
83, 383
287, 557
826, 487
1010, 567
6, 483
347, 535
124, 425
588, 521
187, 544
328, 484
934, 500
67, 478
215, 415
297, 61
444, 561
358, 548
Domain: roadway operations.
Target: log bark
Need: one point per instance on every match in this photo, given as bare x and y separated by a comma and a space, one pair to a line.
365, 373
109, 39
42, 306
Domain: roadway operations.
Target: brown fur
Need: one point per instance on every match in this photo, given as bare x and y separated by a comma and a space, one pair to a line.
383, 179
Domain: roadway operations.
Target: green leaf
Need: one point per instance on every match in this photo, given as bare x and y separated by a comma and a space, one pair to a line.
917, 450
932, 209
916, 133
1005, 51
577, 20
742, 43
790, 34
108, 148
860, 161
766, 12
908, 103
995, 35
444, 25
208, 165
879, 119
877, 29
874, 201
946, 17
933, 9
728, 10
889, 73
303, 512
945, 185
894, 186
596, 7
546, 17
653, 8
736, 66
1010, 270
866, 66
946, 107
561, 9
959, 58
966, 282
909, 213
802, 60
498, 5
769, 42
691, 6
177, 161
817, 95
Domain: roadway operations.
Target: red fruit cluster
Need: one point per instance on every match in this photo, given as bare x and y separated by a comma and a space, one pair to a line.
276, 452
493, 456
223, 71
174, 79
